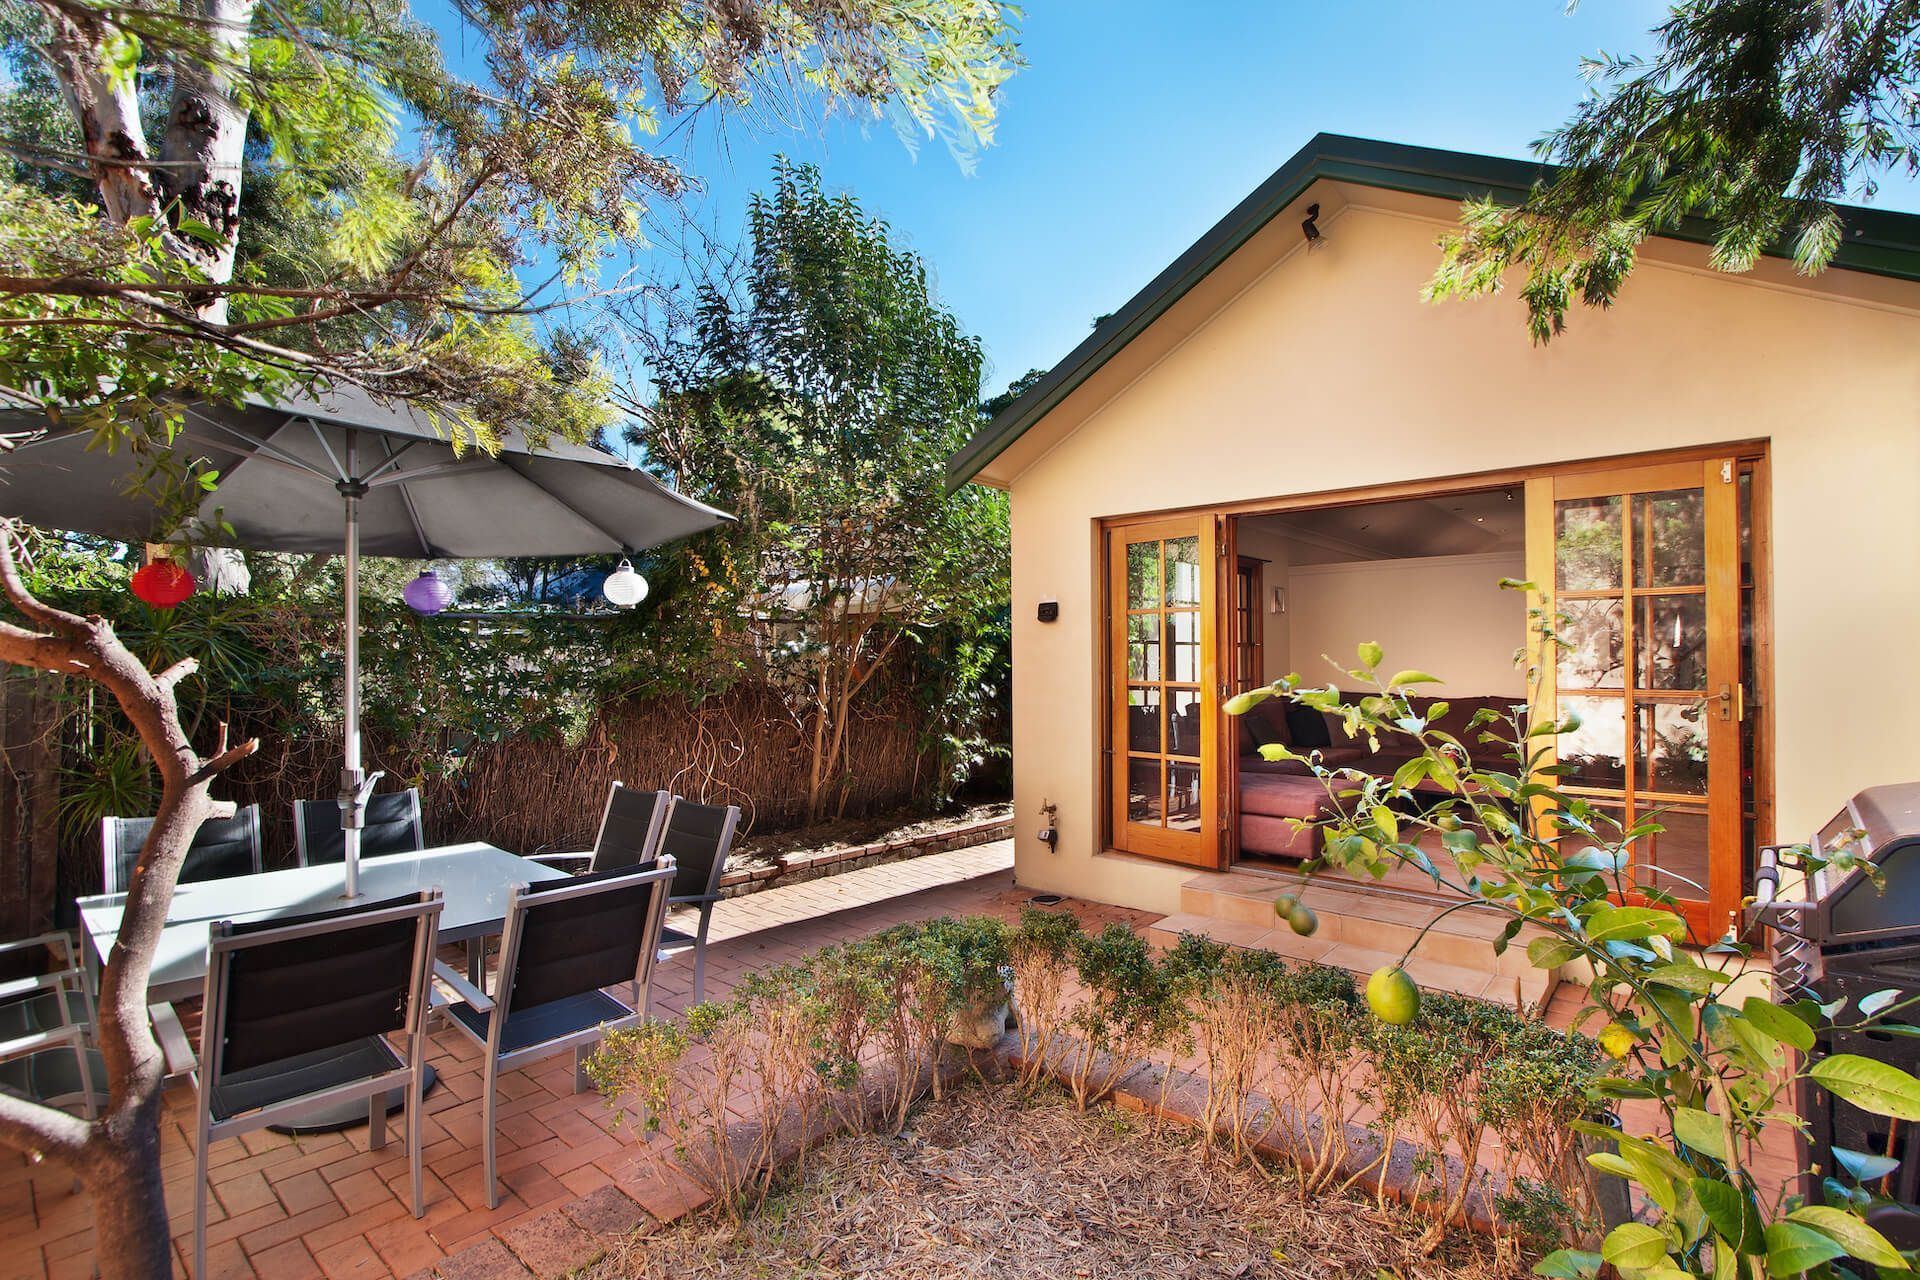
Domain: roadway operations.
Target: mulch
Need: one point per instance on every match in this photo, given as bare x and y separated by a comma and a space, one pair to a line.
990, 1184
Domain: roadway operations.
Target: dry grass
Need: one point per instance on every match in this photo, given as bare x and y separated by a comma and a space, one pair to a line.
985, 1185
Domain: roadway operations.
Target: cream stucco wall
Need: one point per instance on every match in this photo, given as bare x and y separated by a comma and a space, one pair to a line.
1444, 614
1324, 371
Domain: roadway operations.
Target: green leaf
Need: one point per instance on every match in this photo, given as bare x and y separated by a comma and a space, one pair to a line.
1850, 1233
1770, 1019
1551, 953
1862, 1166
1568, 1264
1371, 654
1872, 1004
1412, 677
1687, 977
1623, 924
1241, 703
1634, 1244
1879, 1087
1701, 1131
1385, 819
1793, 1248
1735, 1217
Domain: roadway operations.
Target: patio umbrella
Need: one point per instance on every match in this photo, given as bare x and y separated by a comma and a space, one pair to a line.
345, 472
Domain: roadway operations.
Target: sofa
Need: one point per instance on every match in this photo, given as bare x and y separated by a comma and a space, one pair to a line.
1277, 796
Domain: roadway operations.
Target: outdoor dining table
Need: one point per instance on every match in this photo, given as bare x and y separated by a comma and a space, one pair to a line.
473, 878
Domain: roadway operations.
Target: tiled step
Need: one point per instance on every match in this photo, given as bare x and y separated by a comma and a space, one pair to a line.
1363, 927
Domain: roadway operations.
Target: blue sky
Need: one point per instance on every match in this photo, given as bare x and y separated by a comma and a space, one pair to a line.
1136, 125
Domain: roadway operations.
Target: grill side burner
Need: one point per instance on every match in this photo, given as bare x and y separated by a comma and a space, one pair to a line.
1834, 935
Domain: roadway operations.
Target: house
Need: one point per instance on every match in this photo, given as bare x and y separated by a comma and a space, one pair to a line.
1277, 450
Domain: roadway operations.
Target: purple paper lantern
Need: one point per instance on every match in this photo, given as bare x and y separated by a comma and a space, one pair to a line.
427, 594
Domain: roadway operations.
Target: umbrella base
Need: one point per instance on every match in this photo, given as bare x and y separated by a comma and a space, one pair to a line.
346, 1115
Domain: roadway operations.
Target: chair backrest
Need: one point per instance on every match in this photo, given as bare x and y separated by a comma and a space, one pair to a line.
393, 826
698, 838
630, 828
568, 937
280, 988
222, 847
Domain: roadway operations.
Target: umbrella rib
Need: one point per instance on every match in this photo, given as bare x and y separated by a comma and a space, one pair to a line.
250, 447
327, 449
406, 495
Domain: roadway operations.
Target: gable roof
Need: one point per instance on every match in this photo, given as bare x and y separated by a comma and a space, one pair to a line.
1881, 243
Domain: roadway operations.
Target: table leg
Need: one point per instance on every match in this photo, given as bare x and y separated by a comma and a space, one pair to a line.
477, 962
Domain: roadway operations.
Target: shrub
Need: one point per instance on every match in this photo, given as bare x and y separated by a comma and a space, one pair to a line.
1131, 1008
1040, 958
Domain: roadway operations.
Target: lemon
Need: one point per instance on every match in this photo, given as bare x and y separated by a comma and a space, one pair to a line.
1392, 996
1617, 1041
1284, 904
1302, 920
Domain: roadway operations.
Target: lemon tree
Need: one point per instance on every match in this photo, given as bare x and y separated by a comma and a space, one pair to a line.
1492, 826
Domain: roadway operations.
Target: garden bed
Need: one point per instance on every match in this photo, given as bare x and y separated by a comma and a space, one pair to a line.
790, 857
990, 1183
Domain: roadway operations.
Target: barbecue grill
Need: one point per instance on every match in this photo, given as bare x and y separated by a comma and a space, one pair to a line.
1832, 935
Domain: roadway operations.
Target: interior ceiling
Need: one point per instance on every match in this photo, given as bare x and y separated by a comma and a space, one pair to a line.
1460, 524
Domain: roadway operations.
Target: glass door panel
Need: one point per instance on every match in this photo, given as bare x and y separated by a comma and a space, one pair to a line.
1162, 598
1645, 573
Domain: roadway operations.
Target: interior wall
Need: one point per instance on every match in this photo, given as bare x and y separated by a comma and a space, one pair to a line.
1275, 636
1446, 615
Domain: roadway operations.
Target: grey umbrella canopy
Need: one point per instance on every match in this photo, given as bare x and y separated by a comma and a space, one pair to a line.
345, 472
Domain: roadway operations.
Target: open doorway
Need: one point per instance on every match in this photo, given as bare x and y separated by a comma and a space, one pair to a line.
1418, 576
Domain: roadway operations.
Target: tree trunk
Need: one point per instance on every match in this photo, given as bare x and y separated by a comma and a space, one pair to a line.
117, 1156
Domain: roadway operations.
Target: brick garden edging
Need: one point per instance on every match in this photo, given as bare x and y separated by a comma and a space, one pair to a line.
828, 862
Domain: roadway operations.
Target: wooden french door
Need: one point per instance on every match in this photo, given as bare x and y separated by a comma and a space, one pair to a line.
1163, 610
1643, 567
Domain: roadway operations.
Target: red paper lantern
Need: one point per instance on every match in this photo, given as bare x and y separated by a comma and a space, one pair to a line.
162, 584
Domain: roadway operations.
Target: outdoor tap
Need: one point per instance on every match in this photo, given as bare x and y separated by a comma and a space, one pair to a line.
1050, 834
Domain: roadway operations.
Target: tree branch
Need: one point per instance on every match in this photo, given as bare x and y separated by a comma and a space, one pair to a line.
30, 1127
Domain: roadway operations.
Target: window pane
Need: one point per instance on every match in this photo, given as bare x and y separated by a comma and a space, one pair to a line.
1595, 632
1183, 646
1675, 857
1586, 544
1143, 646
1143, 791
1672, 640
1670, 538
1143, 575
1673, 742
1597, 750
1143, 719
1183, 571
1183, 796
1183, 722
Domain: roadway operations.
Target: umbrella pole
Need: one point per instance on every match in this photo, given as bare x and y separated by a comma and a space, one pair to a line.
353, 780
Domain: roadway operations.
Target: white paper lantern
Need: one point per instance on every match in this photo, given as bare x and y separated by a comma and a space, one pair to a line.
624, 587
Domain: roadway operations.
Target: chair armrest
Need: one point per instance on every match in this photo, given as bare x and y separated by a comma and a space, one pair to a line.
173, 1039
64, 941
562, 861
56, 981
471, 994
20, 1046
691, 898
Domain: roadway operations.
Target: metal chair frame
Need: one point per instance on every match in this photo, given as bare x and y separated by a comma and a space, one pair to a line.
111, 850
61, 984
497, 1007
706, 900
300, 808
222, 945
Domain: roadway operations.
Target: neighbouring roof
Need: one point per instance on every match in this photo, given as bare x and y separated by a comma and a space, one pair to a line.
1880, 242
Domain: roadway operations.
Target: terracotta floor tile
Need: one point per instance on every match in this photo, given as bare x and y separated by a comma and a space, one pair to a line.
351, 1259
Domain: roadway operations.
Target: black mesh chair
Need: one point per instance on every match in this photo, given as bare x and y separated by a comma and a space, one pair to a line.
698, 838
45, 1022
222, 847
562, 942
393, 826
629, 836
298, 1015
48, 1001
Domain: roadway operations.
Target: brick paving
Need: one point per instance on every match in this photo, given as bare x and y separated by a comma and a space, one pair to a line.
325, 1206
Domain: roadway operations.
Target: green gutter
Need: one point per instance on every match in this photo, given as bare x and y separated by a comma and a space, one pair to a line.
1879, 243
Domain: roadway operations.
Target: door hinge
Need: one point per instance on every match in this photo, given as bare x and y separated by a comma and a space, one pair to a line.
1726, 472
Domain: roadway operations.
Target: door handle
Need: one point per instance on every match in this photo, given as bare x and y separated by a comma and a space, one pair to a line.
1731, 701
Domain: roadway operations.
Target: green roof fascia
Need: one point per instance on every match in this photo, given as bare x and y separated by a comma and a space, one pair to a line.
1880, 242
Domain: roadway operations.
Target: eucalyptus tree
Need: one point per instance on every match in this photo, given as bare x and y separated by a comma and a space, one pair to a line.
1758, 116
218, 198
819, 402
